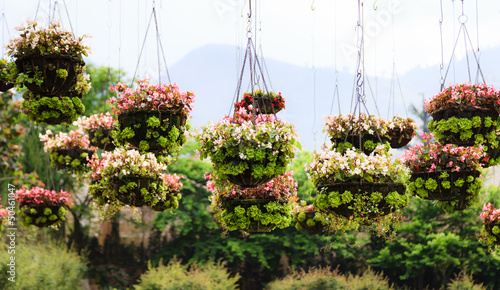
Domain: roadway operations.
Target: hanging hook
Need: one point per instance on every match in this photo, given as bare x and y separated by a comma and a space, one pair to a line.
249, 14
313, 7
375, 7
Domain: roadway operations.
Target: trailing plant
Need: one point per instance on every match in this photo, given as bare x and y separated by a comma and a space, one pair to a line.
305, 217
7, 75
267, 206
257, 148
42, 207
448, 173
68, 150
52, 110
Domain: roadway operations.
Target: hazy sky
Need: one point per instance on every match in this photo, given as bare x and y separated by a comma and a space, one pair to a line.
404, 31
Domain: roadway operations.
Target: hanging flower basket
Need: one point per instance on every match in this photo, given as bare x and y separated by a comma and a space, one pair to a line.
357, 186
347, 130
52, 110
42, 207
313, 222
446, 173
262, 102
464, 114
4, 218
48, 60
490, 232
6, 81
152, 118
68, 151
401, 131
129, 178
254, 210
248, 152
98, 127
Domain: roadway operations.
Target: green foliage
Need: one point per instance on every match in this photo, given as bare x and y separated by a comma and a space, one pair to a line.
52, 110
462, 130
315, 278
463, 281
42, 266
174, 275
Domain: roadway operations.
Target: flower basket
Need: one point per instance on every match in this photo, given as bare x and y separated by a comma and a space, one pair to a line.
366, 199
447, 173
170, 199
153, 131
464, 127
263, 103
493, 229
53, 110
248, 152
135, 190
42, 207
99, 127
48, 67
248, 209
253, 210
490, 232
68, 151
311, 221
352, 129
401, 131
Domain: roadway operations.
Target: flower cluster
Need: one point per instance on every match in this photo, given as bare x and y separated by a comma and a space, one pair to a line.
404, 124
266, 132
121, 162
96, 121
277, 102
340, 125
433, 156
75, 139
462, 96
148, 97
282, 187
42, 196
489, 214
330, 166
172, 182
51, 41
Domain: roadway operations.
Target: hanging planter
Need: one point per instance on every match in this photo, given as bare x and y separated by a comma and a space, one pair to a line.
357, 186
262, 102
98, 127
248, 151
152, 118
6, 79
253, 210
362, 132
490, 232
446, 173
464, 114
48, 60
400, 131
313, 222
42, 207
128, 178
68, 151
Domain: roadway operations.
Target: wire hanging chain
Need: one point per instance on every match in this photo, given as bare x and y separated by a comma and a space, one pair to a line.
159, 47
462, 19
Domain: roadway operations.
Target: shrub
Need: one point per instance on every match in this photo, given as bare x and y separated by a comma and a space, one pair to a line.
463, 281
315, 278
42, 266
177, 276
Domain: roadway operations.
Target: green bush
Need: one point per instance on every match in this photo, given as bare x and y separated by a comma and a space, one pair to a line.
325, 278
315, 278
41, 266
177, 276
463, 281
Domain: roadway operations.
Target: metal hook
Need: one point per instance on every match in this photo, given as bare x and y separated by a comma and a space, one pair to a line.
250, 5
313, 8
375, 7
